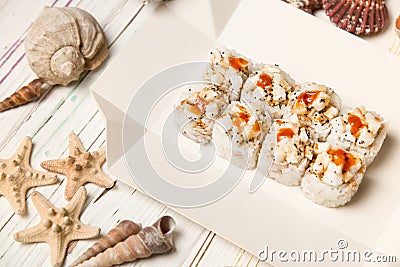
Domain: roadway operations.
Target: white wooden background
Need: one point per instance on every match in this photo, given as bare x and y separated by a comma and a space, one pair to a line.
49, 120
72, 108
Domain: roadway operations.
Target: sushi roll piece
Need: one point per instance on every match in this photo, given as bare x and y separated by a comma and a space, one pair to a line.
316, 105
268, 89
238, 135
286, 152
359, 130
334, 176
196, 114
230, 70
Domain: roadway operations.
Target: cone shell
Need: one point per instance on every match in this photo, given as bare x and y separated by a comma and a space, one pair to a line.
155, 239
361, 17
24, 95
63, 42
122, 231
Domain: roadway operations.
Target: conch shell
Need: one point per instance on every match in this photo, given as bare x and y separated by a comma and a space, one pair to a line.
26, 94
151, 240
123, 230
63, 42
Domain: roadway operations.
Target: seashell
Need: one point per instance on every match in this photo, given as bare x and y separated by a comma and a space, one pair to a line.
306, 5
26, 94
123, 230
397, 26
361, 17
151, 240
63, 42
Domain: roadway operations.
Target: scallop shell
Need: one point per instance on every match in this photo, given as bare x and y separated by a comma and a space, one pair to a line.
306, 5
63, 42
360, 17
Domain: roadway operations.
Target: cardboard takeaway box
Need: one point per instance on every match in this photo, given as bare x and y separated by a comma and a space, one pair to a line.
310, 50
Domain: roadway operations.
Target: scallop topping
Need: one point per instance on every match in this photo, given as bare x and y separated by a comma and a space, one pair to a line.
335, 166
293, 143
314, 101
209, 103
358, 127
242, 122
229, 69
270, 85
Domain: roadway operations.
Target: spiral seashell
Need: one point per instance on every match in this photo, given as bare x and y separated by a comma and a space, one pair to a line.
151, 240
26, 94
123, 230
63, 42
361, 17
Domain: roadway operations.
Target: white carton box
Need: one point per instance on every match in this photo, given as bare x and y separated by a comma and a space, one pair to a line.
310, 50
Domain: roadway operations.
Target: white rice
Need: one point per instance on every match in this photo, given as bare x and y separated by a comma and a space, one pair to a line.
229, 69
333, 178
268, 89
238, 135
198, 110
286, 152
366, 138
316, 105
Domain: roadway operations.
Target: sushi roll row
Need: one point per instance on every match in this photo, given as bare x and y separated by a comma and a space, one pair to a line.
298, 134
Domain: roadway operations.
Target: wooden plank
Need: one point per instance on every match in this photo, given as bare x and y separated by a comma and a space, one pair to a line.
220, 252
71, 108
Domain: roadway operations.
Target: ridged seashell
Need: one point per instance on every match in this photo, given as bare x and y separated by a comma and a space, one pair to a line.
306, 5
360, 17
63, 42
151, 240
123, 230
26, 94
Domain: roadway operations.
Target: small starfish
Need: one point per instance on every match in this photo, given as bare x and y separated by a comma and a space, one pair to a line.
17, 177
80, 167
58, 226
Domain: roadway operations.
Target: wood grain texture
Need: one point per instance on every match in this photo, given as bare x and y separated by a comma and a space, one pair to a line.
71, 108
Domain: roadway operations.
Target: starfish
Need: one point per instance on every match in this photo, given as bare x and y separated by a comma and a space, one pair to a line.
58, 226
80, 167
17, 177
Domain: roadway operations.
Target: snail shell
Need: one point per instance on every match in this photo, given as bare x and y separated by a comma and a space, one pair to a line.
63, 42
155, 239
